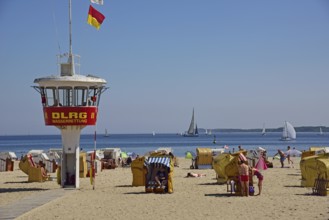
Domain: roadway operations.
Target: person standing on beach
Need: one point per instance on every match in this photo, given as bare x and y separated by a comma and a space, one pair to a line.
290, 162
282, 157
253, 171
244, 178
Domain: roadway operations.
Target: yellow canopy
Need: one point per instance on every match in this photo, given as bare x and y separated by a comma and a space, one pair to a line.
226, 167
314, 167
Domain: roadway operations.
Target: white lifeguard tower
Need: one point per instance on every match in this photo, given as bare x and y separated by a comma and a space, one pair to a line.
70, 102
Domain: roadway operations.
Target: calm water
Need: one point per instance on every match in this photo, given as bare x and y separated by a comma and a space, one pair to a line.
142, 143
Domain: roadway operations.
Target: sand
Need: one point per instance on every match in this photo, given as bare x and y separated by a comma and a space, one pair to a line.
193, 198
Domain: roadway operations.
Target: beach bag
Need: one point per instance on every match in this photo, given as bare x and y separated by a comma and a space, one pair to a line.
251, 190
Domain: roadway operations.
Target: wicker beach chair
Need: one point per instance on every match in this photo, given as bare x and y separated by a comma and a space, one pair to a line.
204, 158
34, 173
25, 164
153, 164
139, 172
320, 187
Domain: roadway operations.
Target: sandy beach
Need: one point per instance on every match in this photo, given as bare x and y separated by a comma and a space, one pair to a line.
193, 198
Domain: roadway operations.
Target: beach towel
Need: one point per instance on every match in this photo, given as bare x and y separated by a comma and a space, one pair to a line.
261, 165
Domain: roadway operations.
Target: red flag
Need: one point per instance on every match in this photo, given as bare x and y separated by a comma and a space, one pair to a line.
95, 18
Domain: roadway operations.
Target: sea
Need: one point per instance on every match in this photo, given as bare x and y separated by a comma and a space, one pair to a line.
143, 143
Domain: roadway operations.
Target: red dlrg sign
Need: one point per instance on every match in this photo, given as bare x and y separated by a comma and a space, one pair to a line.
70, 115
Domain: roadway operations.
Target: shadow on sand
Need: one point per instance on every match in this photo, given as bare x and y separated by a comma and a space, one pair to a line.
221, 195
294, 186
210, 184
123, 186
8, 190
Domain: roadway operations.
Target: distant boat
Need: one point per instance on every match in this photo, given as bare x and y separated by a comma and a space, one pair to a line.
153, 134
264, 130
288, 132
106, 133
321, 132
192, 132
208, 132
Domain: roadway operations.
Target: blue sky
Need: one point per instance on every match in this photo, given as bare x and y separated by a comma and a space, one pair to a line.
238, 63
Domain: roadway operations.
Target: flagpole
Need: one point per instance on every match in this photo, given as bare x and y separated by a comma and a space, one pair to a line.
71, 57
70, 26
94, 161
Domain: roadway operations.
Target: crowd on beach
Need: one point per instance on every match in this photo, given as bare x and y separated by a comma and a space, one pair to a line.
246, 171
273, 185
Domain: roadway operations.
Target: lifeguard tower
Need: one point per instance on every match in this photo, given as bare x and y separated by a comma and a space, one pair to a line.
70, 102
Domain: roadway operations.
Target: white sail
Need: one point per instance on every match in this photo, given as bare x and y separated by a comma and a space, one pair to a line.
321, 132
192, 132
106, 133
288, 132
191, 128
264, 130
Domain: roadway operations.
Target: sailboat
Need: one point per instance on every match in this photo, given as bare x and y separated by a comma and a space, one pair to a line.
192, 132
321, 132
106, 133
264, 130
288, 132
208, 133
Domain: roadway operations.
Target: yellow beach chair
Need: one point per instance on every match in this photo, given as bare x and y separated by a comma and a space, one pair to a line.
139, 171
153, 164
204, 158
34, 173
314, 167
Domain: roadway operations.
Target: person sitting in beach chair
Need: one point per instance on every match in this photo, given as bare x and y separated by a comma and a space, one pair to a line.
43, 170
161, 177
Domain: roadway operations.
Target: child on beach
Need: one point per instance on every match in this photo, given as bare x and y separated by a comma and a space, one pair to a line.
253, 171
244, 178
